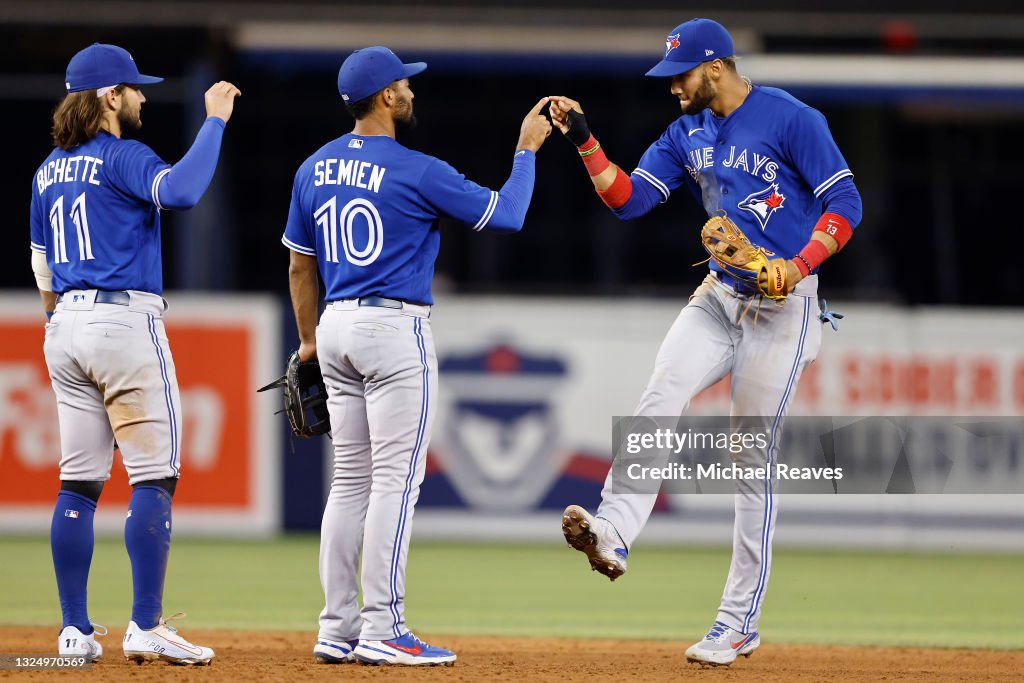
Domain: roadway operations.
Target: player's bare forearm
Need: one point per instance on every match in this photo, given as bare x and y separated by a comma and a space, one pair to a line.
603, 180
829, 241
49, 300
610, 182
305, 292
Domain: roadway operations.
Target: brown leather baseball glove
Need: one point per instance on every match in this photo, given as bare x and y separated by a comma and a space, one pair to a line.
738, 256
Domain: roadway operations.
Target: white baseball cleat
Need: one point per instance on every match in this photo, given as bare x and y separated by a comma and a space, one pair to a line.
407, 650
597, 538
162, 642
334, 651
722, 645
73, 643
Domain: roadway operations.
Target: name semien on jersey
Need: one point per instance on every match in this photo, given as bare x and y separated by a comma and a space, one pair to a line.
361, 174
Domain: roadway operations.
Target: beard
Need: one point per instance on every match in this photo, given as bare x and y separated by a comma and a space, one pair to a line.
701, 99
404, 116
130, 121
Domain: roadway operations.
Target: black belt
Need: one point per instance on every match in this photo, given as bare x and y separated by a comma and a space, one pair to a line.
119, 298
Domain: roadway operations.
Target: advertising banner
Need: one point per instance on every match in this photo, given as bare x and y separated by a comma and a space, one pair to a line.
223, 349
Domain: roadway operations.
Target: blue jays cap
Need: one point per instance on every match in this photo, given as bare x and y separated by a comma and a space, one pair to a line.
370, 70
100, 65
692, 43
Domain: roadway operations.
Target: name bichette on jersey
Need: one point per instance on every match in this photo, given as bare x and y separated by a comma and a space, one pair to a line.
69, 170
362, 174
753, 163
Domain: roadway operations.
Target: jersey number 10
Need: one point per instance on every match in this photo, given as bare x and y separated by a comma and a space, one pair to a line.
78, 217
331, 223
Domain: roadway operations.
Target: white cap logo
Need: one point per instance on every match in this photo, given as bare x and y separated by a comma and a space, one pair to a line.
708, 53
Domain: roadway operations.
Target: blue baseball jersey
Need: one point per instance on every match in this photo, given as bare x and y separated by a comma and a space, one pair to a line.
766, 165
367, 208
96, 216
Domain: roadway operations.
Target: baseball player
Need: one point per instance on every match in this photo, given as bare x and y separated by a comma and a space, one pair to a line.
95, 239
769, 162
364, 211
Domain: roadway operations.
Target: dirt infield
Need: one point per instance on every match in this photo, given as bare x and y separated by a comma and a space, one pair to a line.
286, 656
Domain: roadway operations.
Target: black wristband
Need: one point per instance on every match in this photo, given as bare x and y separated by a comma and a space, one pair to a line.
578, 132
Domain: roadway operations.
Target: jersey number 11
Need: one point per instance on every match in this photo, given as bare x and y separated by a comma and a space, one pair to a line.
78, 217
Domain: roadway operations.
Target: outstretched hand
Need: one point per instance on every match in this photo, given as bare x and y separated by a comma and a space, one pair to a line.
567, 116
535, 129
220, 100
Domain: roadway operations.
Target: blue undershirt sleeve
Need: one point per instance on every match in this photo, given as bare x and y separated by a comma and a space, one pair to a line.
844, 199
644, 198
514, 196
182, 185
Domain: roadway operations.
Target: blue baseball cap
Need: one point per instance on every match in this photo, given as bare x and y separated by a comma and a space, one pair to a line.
692, 43
371, 70
100, 65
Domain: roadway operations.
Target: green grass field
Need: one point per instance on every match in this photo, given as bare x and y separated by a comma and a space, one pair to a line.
533, 590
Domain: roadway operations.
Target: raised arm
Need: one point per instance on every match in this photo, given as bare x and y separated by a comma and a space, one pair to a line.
181, 186
627, 196
451, 194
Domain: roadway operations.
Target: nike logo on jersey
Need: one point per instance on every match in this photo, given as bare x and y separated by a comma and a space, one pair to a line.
763, 204
692, 131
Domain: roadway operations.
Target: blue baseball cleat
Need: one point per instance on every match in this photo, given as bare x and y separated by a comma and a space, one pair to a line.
407, 650
334, 651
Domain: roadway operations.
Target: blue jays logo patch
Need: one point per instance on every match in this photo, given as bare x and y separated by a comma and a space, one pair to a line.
671, 43
763, 203
502, 431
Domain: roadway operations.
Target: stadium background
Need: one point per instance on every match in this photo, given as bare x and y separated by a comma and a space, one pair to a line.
543, 336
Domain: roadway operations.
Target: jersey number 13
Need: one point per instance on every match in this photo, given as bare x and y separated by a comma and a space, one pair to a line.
332, 222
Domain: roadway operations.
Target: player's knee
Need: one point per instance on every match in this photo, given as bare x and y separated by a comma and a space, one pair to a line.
89, 489
167, 484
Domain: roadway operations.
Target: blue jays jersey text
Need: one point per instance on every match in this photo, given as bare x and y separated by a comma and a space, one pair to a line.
95, 215
367, 208
766, 166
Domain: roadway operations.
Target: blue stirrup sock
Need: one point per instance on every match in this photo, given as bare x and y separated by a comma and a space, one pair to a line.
147, 537
71, 543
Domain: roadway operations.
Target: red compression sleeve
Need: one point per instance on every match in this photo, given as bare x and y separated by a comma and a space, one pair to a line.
810, 257
835, 226
593, 156
619, 192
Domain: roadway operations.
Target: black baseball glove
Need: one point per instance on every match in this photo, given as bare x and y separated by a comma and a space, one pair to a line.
305, 397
